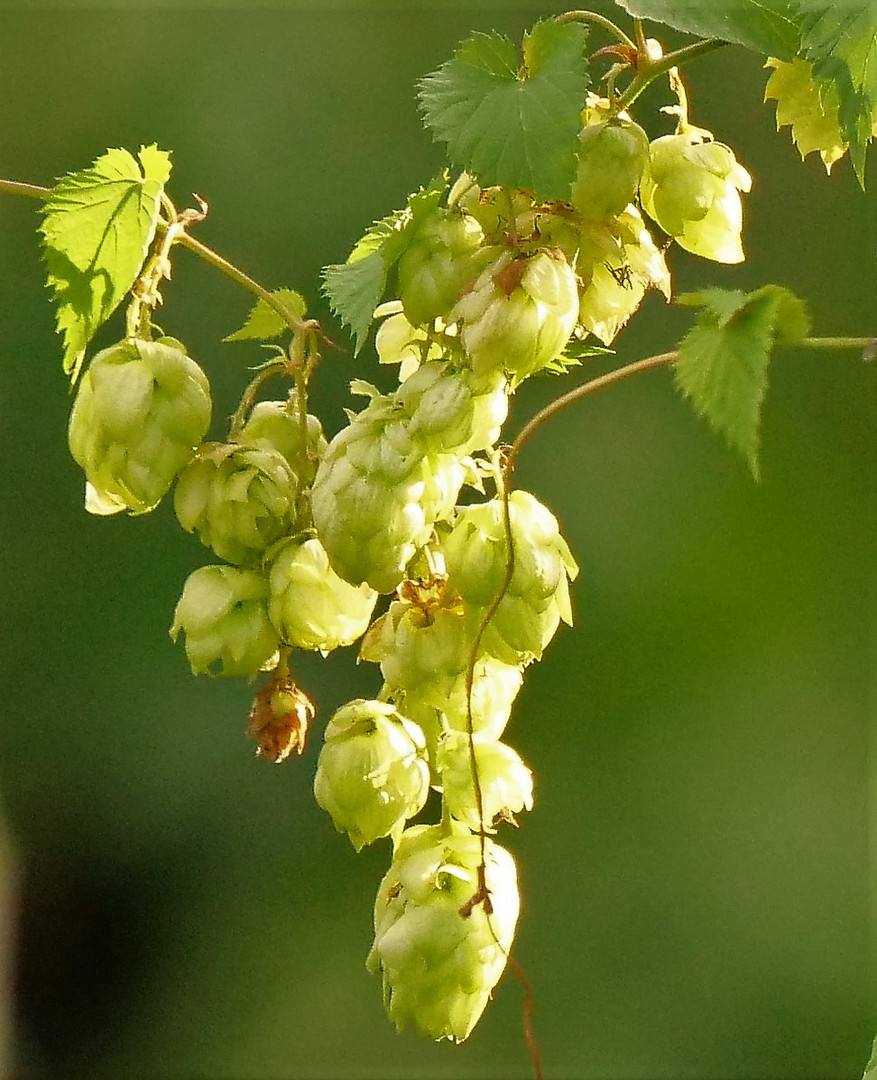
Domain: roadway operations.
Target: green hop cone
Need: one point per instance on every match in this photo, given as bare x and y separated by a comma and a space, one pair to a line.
440, 260
519, 313
537, 599
141, 409
618, 263
377, 495
438, 959
421, 648
276, 425
310, 606
372, 773
692, 190
454, 411
223, 612
494, 688
505, 781
238, 499
398, 342
612, 158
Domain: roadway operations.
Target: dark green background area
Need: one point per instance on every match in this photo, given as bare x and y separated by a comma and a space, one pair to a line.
694, 875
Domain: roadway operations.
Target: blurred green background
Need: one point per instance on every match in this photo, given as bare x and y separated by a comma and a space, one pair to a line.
695, 873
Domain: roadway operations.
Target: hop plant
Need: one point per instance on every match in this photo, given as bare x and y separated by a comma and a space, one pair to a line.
519, 313
441, 259
310, 606
438, 954
611, 159
238, 499
141, 409
692, 190
223, 613
276, 425
537, 598
372, 774
505, 782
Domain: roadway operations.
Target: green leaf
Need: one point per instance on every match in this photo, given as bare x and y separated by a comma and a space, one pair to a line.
264, 323
97, 228
722, 365
355, 288
510, 125
871, 1067
767, 26
840, 40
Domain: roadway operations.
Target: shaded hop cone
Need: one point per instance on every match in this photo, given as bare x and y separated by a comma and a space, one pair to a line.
454, 411
505, 781
441, 259
423, 649
310, 605
279, 719
141, 409
617, 263
223, 612
276, 425
440, 955
238, 499
476, 555
375, 498
372, 774
519, 313
611, 159
692, 190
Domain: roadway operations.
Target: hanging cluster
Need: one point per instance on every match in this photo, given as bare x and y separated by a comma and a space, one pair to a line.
489, 286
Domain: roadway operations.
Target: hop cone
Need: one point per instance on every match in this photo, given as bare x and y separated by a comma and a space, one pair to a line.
223, 613
612, 158
538, 596
505, 781
275, 425
438, 964
238, 499
454, 411
372, 773
423, 650
141, 409
437, 265
375, 497
311, 607
624, 262
519, 313
692, 190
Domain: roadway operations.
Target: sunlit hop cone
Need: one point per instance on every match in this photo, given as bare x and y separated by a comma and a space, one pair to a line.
311, 607
421, 648
223, 613
440, 955
612, 158
692, 190
238, 499
617, 263
441, 259
372, 773
505, 782
454, 411
537, 599
494, 688
141, 409
519, 313
369, 498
